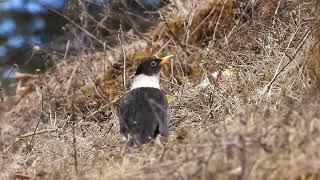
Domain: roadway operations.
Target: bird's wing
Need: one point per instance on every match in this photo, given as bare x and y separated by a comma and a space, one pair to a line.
163, 107
144, 112
128, 106
136, 117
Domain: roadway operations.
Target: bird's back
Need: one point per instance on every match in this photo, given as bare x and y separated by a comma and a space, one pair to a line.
144, 113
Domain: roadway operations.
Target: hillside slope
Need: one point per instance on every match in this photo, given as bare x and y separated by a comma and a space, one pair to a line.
243, 88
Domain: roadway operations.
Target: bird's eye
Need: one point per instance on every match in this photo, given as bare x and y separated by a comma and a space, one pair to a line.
153, 63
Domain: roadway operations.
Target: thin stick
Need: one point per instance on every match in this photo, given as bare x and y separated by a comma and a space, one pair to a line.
74, 142
69, 82
33, 134
217, 22
75, 154
210, 13
276, 12
120, 38
291, 58
22, 176
102, 107
41, 113
36, 133
164, 150
67, 50
81, 28
173, 36
90, 78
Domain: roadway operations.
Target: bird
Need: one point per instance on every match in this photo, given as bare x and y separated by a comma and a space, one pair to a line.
144, 110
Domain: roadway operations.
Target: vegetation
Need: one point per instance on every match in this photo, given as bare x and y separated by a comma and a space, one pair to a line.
243, 88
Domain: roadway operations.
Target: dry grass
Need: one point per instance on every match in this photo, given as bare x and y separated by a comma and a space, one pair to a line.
262, 122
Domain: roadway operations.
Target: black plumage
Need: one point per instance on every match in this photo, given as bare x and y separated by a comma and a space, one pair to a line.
145, 113
144, 110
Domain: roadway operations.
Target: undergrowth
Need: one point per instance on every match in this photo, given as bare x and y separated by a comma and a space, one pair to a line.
243, 90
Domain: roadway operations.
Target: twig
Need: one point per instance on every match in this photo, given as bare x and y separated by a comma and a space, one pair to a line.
36, 133
90, 78
291, 58
133, 24
19, 138
163, 46
75, 154
101, 108
217, 22
210, 13
163, 153
188, 25
69, 82
24, 75
276, 12
81, 28
21, 176
120, 38
99, 24
74, 142
41, 113
67, 50
173, 36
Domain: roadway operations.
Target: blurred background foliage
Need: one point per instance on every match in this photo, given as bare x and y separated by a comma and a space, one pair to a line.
33, 31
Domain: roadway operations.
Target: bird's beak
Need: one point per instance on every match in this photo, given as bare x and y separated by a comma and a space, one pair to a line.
166, 60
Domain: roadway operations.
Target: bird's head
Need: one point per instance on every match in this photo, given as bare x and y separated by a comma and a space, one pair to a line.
151, 66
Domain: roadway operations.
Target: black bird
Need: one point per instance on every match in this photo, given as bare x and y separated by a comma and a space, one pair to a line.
144, 110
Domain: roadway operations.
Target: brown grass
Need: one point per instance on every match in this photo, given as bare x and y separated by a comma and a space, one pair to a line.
262, 122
